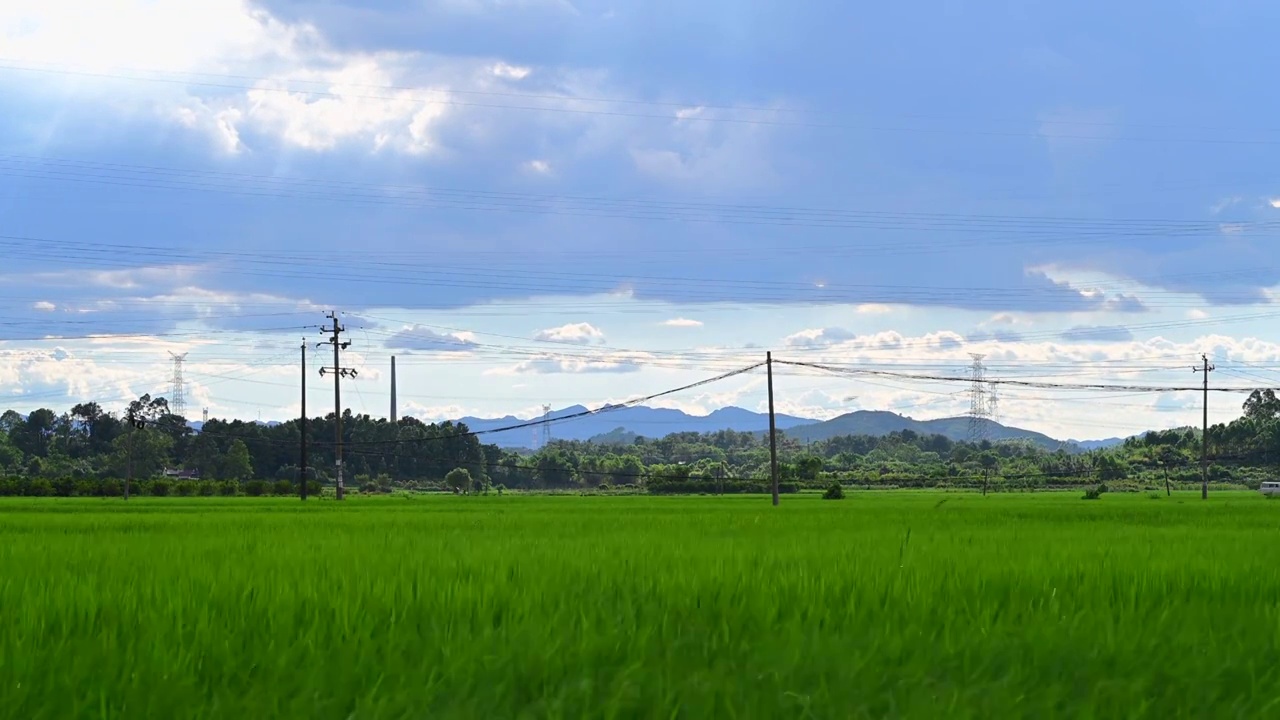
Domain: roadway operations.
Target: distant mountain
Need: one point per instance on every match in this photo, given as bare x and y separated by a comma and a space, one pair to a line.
1097, 444
880, 422
618, 423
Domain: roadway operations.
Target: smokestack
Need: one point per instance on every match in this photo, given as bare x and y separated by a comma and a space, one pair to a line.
393, 388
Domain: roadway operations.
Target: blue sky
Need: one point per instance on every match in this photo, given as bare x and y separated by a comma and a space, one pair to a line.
567, 201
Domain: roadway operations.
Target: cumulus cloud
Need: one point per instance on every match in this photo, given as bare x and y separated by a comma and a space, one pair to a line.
425, 339
574, 333
44, 306
281, 80
818, 337
682, 323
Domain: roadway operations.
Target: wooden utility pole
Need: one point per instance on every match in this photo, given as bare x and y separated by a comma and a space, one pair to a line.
773, 431
129, 460
339, 372
302, 451
1204, 432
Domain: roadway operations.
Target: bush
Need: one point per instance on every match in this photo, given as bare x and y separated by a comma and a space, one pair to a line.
111, 488
835, 491
604, 487
160, 488
283, 488
1094, 493
39, 487
87, 488
64, 487
229, 488
730, 487
206, 489
185, 488
256, 488
458, 480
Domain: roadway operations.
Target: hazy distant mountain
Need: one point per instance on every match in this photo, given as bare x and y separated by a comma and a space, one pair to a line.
648, 422
880, 422
1098, 444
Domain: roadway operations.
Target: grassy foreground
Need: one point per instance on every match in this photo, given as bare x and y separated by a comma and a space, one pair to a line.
920, 605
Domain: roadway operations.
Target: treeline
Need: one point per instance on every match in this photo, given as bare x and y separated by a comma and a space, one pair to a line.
88, 451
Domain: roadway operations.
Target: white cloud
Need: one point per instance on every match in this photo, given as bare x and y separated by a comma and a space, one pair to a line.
301, 90
44, 306
575, 333
538, 167
166, 276
818, 337
1197, 314
1274, 202
682, 323
874, 309
511, 72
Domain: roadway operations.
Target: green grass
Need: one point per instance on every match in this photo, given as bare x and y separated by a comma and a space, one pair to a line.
920, 605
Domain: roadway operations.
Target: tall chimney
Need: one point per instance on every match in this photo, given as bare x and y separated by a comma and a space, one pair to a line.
393, 388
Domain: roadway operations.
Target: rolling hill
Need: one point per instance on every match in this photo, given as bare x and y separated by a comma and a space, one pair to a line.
639, 420
880, 422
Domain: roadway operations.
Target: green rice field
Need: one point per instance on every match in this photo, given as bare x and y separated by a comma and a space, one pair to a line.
903, 605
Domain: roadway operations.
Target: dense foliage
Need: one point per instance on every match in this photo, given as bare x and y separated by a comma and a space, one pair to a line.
88, 451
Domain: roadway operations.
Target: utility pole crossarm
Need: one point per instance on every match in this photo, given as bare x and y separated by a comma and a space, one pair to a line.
338, 373
1205, 368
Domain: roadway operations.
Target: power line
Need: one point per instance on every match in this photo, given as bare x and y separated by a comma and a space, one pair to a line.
545, 421
428, 96
1021, 383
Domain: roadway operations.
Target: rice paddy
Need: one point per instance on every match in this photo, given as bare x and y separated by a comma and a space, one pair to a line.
910, 604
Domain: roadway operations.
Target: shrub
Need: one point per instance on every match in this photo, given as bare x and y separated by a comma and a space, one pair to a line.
64, 487
160, 488
256, 488
206, 489
604, 487
835, 491
1094, 493
40, 487
87, 488
283, 487
111, 487
458, 480
229, 488
185, 488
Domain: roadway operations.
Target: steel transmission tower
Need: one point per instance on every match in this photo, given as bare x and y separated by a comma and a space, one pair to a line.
980, 405
546, 425
178, 387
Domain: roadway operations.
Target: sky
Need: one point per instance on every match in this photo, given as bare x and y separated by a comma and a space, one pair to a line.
565, 202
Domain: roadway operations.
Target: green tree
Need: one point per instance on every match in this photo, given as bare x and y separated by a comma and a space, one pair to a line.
1262, 405
459, 480
990, 463
236, 465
